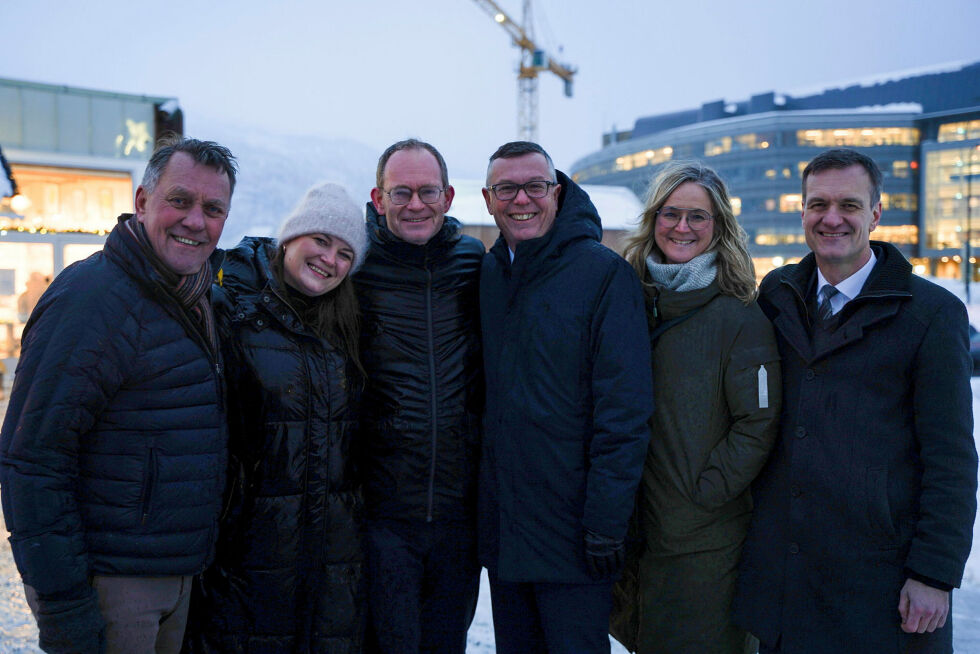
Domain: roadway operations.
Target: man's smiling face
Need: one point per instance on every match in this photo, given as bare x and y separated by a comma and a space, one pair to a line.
838, 219
522, 217
185, 212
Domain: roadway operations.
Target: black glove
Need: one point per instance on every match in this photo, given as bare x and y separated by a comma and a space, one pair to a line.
604, 555
71, 626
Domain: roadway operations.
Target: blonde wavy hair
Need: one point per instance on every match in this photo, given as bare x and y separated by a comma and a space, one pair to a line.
736, 273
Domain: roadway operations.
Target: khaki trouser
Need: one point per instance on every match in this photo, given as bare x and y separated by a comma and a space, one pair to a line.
144, 615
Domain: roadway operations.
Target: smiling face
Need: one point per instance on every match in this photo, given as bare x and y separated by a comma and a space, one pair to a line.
522, 218
415, 222
185, 213
315, 264
838, 219
679, 243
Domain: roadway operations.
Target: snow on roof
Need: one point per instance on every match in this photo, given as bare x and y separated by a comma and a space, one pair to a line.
881, 78
618, 206
892, 107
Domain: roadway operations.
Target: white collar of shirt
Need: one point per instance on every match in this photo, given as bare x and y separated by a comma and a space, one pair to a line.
512, 255
848, 289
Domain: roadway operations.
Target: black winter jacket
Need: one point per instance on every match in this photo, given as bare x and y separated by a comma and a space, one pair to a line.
569, 393
873, 476
420, 345
287, 575
113, 446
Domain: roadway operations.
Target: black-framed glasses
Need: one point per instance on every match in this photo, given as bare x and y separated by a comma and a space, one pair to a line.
403, 195
697, 219
508, 190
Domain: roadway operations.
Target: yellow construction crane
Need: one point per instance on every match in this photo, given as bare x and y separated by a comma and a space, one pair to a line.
533, 61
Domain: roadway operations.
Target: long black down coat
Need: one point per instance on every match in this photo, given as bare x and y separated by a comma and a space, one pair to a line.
287, 574
113, 447
569, 392
874, 474
420, 344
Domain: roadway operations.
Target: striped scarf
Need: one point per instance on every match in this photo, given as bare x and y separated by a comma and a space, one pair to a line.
190, 291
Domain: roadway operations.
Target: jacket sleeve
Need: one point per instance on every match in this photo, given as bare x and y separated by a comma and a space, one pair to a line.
70, 367
943, 403
622, 396
753, 394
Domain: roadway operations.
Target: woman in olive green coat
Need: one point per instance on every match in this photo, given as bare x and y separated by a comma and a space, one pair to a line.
716, 396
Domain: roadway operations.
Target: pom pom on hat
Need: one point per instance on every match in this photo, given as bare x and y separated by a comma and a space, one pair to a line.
327, 208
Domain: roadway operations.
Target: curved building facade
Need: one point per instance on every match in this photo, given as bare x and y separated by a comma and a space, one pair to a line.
915, 127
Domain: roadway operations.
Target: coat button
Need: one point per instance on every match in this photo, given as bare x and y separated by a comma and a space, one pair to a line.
259, 322
241, 315
266, 298
801, 432
794, 548
810, 375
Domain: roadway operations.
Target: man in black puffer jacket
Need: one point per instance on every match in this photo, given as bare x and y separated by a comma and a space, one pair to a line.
421, 412
113, 447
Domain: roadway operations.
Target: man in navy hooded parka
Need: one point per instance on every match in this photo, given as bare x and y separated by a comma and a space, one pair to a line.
569, 394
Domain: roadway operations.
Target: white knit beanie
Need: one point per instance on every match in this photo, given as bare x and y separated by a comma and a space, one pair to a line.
328, 209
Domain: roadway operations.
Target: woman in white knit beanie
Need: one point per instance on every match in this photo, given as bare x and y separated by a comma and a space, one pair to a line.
287, 572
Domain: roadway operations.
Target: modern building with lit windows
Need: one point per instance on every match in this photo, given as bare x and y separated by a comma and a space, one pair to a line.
922, 128
72, 160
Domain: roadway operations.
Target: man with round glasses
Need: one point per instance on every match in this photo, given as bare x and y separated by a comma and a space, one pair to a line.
420, 424
567, 364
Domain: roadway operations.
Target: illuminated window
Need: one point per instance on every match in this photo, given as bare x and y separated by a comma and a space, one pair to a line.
770, 204
959, 131
771, 173
899, 201
951, 195
736, 206
898, 234
71, 199
858, 137
787, 173
780, 238
644, 158
790, 203
738, 142
900, 169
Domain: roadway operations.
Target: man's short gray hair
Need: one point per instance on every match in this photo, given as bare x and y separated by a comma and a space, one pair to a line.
207, 153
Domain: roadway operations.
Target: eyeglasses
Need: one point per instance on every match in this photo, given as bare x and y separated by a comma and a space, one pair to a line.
401, 195
696, 218
508, 190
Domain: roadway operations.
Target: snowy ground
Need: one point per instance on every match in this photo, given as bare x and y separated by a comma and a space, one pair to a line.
18, 633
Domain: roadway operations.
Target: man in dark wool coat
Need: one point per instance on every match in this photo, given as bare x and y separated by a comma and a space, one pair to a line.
567, 364
864, 513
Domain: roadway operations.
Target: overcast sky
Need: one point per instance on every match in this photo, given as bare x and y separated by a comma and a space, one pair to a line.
376, 71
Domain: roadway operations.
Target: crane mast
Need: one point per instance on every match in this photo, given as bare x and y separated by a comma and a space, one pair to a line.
534, 60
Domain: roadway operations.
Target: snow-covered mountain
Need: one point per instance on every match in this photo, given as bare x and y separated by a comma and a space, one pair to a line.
275, 171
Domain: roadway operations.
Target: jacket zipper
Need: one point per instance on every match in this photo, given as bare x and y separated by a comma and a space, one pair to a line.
432, 387
149, 479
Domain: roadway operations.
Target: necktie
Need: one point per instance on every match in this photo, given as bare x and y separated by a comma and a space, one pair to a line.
825, 312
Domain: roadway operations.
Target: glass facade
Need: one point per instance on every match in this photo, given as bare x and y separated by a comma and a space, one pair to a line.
952, 197
863, 137
74, 154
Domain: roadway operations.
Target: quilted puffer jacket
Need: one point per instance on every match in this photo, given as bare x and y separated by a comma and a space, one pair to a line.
420, 345
287, 574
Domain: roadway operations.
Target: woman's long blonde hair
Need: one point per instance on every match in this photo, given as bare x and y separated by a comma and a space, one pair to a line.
736, 273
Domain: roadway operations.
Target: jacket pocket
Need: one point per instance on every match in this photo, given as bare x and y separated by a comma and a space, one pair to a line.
149, 481
879, 508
